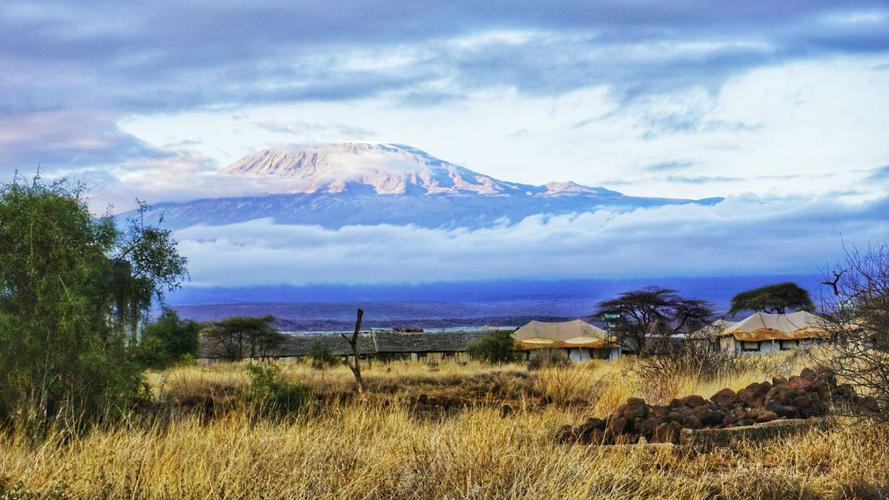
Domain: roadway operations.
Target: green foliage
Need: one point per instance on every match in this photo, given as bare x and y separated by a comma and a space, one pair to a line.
167, 340
494, 348
273, 395
245, 336
321, 357
63, 355
777, 298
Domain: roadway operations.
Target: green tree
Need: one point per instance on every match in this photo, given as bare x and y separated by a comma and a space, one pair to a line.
494, 348
168, 339
777, 298
63, 356
244, 336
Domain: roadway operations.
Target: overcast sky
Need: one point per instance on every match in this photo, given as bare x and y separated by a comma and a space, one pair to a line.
771, 101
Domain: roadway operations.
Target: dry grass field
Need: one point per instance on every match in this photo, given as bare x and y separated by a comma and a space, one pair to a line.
431, 431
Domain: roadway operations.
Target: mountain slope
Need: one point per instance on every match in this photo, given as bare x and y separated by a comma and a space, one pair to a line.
335, 185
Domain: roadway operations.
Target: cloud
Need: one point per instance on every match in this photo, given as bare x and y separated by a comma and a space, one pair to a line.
741, 235
670, 166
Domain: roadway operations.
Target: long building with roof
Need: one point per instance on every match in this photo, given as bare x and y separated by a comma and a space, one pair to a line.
576, 340
764, 332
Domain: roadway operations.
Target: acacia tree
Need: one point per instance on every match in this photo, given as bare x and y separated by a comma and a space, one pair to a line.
777, 298
858, 320
653, 311
245, 336
60, 356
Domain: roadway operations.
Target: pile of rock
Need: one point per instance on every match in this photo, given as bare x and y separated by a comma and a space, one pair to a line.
805, 396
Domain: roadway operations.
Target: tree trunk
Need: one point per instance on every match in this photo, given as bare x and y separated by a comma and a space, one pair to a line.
355, 362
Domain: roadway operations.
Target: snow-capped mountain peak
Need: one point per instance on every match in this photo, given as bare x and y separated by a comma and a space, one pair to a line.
345, 167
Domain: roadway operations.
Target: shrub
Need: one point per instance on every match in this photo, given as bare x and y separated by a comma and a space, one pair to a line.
272, 395
665, 359
167, 340
548, 359
495, 348
321, 357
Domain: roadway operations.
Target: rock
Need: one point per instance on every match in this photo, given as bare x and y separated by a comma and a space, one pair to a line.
765, 416
780, 395
660, 411
808, 374
779, 380
799, 383
566, 434
802, 402
725, 398
693, 401
784, 411
648, 427
617, 426
691, 422
667, 433
635, 408
754, 394
827, 375
844, 392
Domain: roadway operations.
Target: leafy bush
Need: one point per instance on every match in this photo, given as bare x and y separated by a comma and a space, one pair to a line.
495, 348
272, 395
321, 357
167, 340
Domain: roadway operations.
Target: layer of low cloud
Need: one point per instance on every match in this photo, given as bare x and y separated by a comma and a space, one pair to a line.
742, 235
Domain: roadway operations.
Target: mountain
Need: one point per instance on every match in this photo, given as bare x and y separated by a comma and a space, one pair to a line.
334, 185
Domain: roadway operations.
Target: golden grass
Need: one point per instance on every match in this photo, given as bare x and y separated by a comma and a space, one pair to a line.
369, 447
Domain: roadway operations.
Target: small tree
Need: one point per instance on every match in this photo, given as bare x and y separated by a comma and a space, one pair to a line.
494, 348
168, 339
653, 311
777, 298
858, 321
245, 336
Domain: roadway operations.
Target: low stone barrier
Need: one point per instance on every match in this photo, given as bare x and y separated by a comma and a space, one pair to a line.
799, 398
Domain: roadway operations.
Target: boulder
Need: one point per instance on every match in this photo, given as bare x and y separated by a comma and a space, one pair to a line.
693, 401
635, 408
808, 374
725, 398
764, 415
754, 394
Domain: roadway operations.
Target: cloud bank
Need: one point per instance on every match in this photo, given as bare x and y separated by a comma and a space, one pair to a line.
743, 235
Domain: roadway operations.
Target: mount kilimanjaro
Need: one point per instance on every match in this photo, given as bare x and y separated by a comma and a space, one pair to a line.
335, 185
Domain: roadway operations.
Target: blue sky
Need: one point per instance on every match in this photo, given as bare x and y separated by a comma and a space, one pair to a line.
780, 106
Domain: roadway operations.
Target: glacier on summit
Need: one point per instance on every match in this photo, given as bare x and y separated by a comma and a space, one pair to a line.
335, 185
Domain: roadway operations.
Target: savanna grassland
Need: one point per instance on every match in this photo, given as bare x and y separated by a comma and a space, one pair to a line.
429, 431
